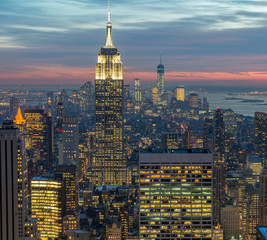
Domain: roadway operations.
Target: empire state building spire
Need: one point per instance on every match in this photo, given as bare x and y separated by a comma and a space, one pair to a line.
109, 42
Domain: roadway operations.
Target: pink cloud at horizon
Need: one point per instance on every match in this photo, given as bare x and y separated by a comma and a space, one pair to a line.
60, 74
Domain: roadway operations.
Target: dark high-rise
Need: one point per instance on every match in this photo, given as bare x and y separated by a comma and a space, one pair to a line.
261, 135
208, 134
219, 133
11, 185
109, 166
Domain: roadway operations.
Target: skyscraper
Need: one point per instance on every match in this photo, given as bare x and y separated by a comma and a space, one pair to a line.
14, 105
11, 195
193, 100
46, 203
171, 140
70, 135
175, 194
155, 95
160, 80
137, 90
179, 94
219, 133
36, 127
109, 166
263, 198
68, 174
261, 135
208, 134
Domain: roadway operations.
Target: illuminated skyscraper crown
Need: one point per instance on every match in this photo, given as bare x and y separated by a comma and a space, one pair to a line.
19, 119
109, 63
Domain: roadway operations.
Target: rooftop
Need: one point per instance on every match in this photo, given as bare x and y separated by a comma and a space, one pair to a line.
263, 231
184, 151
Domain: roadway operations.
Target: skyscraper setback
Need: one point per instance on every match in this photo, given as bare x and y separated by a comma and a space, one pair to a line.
109, 167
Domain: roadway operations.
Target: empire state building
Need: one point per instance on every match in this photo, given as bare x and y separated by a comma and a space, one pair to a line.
109, 166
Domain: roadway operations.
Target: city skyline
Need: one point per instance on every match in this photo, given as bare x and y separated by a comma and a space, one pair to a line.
209, 42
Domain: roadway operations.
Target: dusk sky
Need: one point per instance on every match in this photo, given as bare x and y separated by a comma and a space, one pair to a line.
219, 42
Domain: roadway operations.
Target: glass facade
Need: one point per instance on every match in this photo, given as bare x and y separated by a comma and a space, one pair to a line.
47, 207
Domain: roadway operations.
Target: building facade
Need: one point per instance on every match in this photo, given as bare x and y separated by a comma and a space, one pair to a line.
109, 166
137, 90
46, 206
12, 217
179, 94
263, 198
175, 194
70, 136
261, 135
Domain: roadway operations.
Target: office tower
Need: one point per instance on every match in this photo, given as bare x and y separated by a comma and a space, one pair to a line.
36, 127
263, 198
59, 134
219, 133
49, 107
31, 230
254, 162
208, 134
49, 141
230, 136
46, 206
160, 80
248, 197
126, 90
70, 190
171, 140
14, 105
155, 95
175, 194
165, 98
70, 222
70, 135
205, 104
179, 93
218, 187
86, 96
12, 215
109, 166
193, 100
261, 135
250, 212
230, 219
137, 90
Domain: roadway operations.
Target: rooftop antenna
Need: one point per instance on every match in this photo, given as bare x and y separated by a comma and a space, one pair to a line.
160, 57
109, 11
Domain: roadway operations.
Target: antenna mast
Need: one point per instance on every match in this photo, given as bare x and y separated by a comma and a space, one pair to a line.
109, 17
